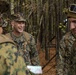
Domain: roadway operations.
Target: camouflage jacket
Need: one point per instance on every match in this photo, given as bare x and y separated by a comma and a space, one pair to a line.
10, 63
26, 47
66, 63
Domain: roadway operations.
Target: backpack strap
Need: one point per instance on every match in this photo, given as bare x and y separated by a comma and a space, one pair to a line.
27, 37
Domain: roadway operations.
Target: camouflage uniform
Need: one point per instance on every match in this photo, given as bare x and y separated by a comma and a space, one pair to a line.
10, 62
66, 63
26, 48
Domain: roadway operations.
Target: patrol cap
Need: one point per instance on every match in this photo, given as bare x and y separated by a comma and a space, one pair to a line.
17, 17
72, 11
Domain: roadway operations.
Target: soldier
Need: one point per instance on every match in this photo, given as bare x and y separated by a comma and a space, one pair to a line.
10, 62
24, 41
66, 63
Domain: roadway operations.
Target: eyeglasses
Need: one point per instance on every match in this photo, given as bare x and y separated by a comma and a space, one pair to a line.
72, 8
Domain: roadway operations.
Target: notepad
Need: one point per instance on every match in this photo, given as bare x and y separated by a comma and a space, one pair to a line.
35, 69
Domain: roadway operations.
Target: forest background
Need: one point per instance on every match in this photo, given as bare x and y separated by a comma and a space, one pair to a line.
46, 20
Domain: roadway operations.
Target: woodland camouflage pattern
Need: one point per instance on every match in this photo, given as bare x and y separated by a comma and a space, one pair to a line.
26, 48
10, 62
66, 63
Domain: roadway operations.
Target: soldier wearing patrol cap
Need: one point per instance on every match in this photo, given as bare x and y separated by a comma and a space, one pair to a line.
66, 63
24, 41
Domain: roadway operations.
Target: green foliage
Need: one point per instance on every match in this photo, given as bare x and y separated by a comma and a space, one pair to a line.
65, 10
62, 27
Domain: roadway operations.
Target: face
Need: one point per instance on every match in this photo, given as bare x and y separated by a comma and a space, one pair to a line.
72, 22
18, 26
1, 30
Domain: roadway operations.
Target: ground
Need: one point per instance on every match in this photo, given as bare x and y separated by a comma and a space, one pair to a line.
50, 69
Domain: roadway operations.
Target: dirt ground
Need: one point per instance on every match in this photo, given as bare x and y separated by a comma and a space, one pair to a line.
50, 69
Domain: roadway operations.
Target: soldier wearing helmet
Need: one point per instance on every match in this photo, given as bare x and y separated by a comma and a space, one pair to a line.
66, 63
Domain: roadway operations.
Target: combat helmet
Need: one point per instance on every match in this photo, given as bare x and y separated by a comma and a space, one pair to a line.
72, 11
